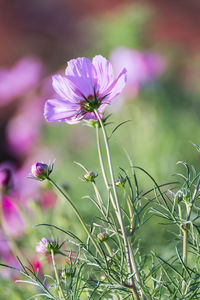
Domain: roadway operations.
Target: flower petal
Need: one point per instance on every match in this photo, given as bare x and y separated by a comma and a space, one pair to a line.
116, 87
82, 75
62, 88
80, 86
57, 110
104, 72
81, 67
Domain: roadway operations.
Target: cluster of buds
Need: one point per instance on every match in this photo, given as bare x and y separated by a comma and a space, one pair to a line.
45, 246
90, 176
41, 171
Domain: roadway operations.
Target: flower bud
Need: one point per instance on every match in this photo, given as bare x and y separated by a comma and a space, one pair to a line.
41, 171
102, 236
45, 246
90, 176
120, 181
186, 226
179, 196
66, 272
186, 194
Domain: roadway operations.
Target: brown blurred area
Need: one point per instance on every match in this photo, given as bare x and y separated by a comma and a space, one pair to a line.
53, 29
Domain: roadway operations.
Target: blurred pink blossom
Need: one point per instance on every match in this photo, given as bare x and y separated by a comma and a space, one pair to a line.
86, 86
10, 260
19, 79
37, 265
142, 67
43, 247
48, 199
23, 130
12, 220
4, 244
7, 258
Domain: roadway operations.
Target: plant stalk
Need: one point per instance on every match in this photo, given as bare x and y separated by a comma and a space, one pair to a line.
185, 256
79, 217
61, 293
117, 206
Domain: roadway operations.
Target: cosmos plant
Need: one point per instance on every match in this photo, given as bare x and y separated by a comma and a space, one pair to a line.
111, 263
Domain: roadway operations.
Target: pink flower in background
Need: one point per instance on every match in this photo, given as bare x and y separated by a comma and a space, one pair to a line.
48, 199
4, 249
12, 221
23, 130
23, 76
142, 67
7, 257
43, 247
37, 266
87, 85
10, 260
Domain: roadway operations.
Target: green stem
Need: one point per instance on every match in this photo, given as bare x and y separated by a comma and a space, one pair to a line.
180, 212
108, 249
118, 209
79, 217
103, 170
185, 254
130, 214
61, 293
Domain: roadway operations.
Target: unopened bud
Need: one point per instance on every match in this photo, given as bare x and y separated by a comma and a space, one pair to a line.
66, 272
179, 196
120, 181
41, 171
186, 226
186, 194
90, 176
102, 236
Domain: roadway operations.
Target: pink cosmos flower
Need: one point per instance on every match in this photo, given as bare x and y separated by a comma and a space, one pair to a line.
12, 220
42, 246
17, 80
86, 86
23, 130
142, 67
